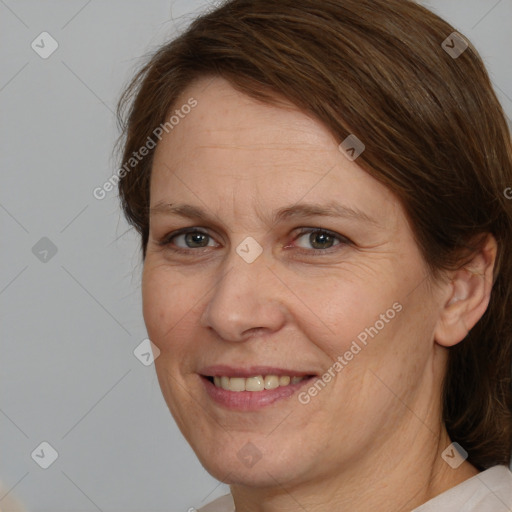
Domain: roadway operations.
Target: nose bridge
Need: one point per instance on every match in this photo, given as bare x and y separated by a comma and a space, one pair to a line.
245, 296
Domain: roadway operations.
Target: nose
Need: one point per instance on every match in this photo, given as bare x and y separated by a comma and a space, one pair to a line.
247, 298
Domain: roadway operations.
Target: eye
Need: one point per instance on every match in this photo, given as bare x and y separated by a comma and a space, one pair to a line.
320, 240
186, 239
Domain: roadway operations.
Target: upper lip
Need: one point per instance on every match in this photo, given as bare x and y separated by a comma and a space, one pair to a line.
222, 370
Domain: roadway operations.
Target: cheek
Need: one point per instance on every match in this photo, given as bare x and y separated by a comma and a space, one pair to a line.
371, 327
340, 310
168, 302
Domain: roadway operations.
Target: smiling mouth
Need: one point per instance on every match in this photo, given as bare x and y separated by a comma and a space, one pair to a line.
256, 383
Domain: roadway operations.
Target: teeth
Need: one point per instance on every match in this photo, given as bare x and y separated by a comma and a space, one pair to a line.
271, 382
284, 380
237, 384
254, 384
257, 383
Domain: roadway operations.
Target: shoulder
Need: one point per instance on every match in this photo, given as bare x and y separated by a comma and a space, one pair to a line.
489, 491
222, 504
8, 502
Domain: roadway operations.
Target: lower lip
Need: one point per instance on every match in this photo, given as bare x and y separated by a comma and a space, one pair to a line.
250, 400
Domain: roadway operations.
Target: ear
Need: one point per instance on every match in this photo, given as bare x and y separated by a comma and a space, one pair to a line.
468, 295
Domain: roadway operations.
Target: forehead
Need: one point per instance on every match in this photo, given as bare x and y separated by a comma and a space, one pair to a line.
226, 119
233, 150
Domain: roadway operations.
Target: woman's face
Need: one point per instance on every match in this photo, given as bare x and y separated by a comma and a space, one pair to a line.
290, 261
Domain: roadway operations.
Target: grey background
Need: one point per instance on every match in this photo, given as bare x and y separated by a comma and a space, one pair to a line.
70, 324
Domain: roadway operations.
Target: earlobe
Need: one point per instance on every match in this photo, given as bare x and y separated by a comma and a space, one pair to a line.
469, 293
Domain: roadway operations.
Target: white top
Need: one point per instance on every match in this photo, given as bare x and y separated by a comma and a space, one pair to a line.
489, 491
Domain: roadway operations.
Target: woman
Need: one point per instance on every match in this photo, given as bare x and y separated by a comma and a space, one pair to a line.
318, 187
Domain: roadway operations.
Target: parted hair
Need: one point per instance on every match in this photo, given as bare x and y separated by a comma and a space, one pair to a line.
434, 133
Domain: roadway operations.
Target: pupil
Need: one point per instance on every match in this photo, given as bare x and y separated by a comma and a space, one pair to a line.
193, 238
323, 237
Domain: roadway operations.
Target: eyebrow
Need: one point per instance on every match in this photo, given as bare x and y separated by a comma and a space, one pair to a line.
295, 211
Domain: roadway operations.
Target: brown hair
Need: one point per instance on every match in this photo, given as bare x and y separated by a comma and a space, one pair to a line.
434, 131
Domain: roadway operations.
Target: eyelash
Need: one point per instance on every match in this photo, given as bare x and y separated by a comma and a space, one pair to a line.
167, 240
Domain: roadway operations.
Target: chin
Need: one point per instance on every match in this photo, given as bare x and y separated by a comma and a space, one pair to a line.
254, 463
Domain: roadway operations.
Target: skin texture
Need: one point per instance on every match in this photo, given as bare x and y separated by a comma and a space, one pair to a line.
373, 438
